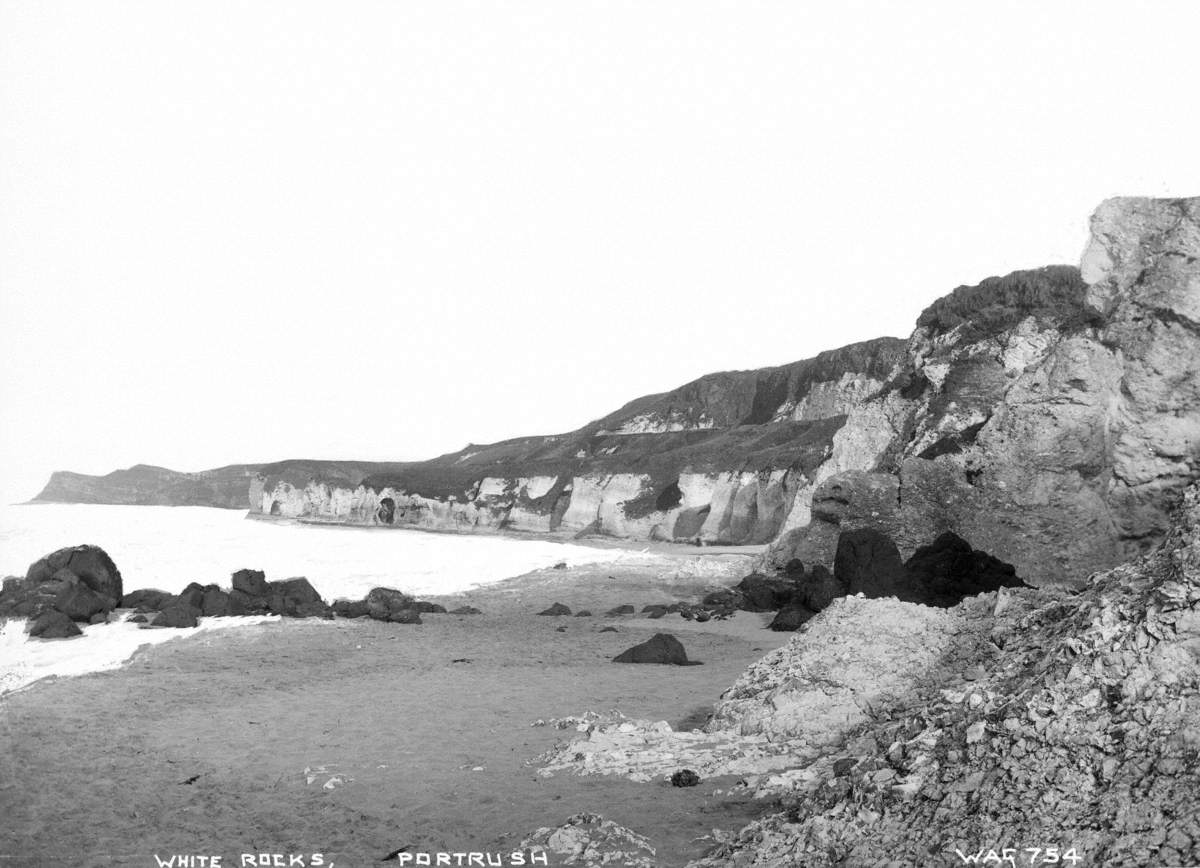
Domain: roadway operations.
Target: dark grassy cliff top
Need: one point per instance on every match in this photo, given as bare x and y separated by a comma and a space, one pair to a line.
1054, 295
730, 398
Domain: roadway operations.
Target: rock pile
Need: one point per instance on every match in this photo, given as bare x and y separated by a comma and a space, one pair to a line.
80, 584
590, 840
1073, 723
250, 594
867, 562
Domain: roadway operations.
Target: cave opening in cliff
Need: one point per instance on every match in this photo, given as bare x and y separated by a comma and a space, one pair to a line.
669, 498
387, 511
276, 508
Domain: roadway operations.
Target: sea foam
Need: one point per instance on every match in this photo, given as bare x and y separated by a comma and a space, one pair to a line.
168, 547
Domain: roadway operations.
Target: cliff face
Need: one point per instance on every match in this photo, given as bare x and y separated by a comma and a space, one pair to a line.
718, 460
1050, 417
144, 485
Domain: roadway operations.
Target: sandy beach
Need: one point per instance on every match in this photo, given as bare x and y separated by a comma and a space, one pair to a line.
355, 738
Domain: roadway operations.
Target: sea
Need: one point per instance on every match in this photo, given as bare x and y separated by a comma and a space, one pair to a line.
167, 547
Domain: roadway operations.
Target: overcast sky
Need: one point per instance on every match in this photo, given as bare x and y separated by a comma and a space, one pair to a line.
253, 231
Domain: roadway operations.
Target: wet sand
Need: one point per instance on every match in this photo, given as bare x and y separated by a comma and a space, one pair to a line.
200, 746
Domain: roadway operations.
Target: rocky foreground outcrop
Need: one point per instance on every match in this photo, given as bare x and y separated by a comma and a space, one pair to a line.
894, 733
1074, 722
1049, 418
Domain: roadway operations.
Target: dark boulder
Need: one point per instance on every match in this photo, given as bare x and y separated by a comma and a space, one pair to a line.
948, 569
208, 599
137, 618
794, 568
177, 614
80, 603
661, 648
818, 589
724, 598
53, 624
381, 602
404, 616
243, 603
792, 617
556, 609
145, 599
192, 595
90, 563
868, 562
429, 608
765, 593
215, 601
609, 630
251, 582
350, 608
466, 610
583, 613
685, 778
654, 611
296, 598
624, 609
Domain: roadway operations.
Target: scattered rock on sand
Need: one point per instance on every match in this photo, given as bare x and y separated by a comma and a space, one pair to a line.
431, 608
53, 625
661, 648
466, 610
591, 840
819, 589
556, 609
583, 613
625, 609
381, 602
685, 778
609, 630
765, 593
792, 617
350, 608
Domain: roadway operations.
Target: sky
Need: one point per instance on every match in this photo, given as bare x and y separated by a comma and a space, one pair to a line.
243, 232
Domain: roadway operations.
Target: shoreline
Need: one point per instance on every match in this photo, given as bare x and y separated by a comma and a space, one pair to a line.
429, 730
566, 538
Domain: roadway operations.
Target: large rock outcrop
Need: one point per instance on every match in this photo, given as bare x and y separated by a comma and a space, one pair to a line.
79, 582
1043, 718
1049, 418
